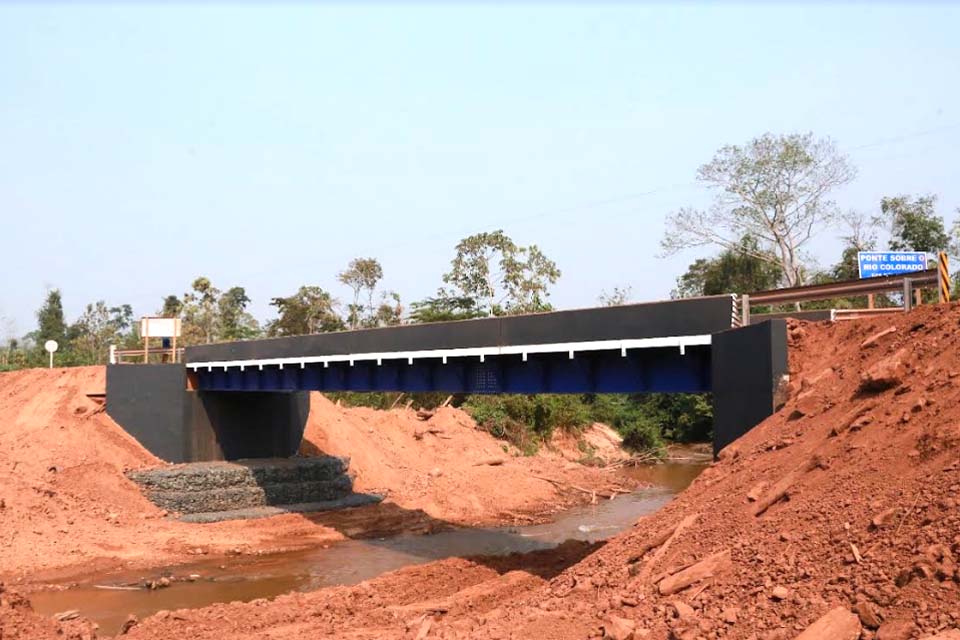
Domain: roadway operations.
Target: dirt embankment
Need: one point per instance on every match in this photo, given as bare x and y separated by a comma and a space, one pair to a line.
66, 506
837, 518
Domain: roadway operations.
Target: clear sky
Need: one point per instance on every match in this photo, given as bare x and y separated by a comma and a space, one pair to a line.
264, 146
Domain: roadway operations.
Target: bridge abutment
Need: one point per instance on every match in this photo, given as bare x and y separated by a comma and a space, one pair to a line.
152, 403
748, 369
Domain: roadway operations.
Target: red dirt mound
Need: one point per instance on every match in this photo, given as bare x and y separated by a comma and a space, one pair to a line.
66, 506
444, 466
835, 518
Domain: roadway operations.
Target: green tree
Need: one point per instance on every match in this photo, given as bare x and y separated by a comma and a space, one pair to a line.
235, 322
774, 189
50, 321
913, 223
96, 329
442, 309
499, 276
361, 275
200, 312
172, 307
735, 270
309, 310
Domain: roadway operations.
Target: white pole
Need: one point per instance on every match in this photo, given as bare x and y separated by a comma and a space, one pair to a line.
51, 359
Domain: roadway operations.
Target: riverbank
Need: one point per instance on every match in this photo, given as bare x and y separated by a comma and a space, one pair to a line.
67, 509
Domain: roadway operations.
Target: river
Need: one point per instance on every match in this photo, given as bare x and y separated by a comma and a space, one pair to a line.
348, 562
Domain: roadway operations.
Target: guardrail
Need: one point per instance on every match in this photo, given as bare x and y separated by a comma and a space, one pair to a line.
905, 284
130, 356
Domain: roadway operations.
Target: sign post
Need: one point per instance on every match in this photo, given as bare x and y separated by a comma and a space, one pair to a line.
51, 347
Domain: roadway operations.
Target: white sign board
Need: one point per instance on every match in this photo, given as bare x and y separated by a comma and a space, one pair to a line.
159, 327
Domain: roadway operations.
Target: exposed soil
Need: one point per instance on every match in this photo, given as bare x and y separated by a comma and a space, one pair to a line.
66, 507
835, 518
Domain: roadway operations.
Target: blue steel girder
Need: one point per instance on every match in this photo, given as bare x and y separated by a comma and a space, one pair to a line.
641, 370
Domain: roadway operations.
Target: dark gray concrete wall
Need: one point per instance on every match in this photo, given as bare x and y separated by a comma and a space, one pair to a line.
147, 400
152, 403
747, 368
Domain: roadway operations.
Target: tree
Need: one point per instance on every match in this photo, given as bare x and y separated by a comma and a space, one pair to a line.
860, 237
500, 276
389, 313
235, 322
172, 307
442, 309
97, 328
775, 190
735, 270
913, 223
51, 325
200, 312
362, 274
617, 297
309, 310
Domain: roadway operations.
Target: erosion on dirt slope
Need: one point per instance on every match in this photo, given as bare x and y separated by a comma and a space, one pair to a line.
835, 518
66, 506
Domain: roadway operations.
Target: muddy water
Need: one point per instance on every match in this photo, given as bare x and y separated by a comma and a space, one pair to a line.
344, 563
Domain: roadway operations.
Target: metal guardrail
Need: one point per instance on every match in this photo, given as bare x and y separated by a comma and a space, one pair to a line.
131, 356
905, 284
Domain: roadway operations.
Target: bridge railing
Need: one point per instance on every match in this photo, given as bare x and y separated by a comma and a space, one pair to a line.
905, 284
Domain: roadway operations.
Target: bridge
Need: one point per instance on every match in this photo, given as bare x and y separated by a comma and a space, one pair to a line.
249, 398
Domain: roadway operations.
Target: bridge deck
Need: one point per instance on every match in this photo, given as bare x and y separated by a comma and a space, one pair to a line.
656, 346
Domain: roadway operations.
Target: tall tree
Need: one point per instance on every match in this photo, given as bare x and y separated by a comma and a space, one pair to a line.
500, 276
774, 189
735, 270
51, 324
913, 223
860, 236
172, 307
234, 320
200, 312
309, 310
362, 274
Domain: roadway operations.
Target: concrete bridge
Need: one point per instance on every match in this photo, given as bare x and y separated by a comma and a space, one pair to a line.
248, 399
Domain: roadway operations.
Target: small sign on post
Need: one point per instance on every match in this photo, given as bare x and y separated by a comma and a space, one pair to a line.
51, 347
873, 264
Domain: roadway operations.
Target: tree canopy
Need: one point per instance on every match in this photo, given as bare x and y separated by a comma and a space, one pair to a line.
499, 276
775, 189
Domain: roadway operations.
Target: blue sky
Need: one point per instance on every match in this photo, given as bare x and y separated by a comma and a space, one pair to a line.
264, 146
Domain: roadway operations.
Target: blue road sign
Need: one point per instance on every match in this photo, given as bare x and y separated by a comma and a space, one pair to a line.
890, 263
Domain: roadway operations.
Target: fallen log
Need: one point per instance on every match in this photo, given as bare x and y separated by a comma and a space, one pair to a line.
590, 492
652, 542
780, 488
836, 624
662, 550
706, 568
